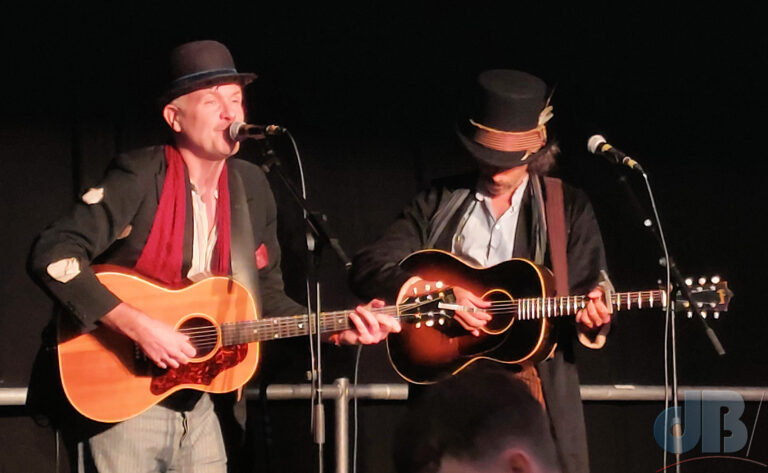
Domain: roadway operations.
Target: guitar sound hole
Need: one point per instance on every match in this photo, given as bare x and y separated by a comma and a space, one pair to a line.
203, 335
502, 315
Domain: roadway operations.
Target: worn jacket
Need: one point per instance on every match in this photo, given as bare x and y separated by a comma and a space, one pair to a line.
376, 273
111, 225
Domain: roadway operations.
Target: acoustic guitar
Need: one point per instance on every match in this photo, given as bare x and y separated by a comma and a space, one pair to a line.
433, 346
107, 377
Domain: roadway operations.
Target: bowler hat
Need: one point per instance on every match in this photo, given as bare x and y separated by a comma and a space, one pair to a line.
200, 64
504, 123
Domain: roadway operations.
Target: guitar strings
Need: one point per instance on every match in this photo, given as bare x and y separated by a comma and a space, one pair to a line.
208, 336
553, 306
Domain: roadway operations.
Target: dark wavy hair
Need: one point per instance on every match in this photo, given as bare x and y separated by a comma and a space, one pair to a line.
545, 161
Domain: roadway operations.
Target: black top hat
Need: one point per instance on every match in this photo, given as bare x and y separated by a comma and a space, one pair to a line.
506, 117
200, 64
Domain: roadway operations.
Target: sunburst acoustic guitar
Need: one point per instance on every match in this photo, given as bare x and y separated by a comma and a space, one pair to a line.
433, 346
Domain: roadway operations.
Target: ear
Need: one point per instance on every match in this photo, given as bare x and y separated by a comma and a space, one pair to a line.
171, 114
518, 461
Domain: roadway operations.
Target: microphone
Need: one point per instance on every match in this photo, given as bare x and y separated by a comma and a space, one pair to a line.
598, 146
239, 131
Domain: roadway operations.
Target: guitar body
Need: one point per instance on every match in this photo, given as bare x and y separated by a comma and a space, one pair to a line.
108, 379
425, 354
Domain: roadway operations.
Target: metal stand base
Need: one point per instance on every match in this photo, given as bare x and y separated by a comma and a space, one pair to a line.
341, 392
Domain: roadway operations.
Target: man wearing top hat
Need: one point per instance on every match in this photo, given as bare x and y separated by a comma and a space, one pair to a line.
176, 214
499, 213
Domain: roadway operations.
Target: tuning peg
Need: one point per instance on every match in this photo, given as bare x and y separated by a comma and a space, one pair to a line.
716, 315
690, 314
715, 279
703, 314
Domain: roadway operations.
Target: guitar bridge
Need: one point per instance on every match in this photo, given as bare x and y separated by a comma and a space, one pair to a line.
141, 363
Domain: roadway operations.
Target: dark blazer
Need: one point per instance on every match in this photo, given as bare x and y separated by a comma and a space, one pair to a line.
115, 229
376, 273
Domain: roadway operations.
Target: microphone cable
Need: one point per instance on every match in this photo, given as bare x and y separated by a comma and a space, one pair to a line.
670, 336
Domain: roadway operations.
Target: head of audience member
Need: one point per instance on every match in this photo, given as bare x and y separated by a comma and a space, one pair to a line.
481, 420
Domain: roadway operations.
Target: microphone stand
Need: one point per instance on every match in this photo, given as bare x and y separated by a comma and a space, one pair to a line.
316, 224
317, 236
679, 281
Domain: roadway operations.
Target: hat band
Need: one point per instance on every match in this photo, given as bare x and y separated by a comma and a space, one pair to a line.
530, 141
195, 76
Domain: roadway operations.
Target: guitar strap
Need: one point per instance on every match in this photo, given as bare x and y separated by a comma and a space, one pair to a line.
555, 212
242, 246
242, 254
443, 215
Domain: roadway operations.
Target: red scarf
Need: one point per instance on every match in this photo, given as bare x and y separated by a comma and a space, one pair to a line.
162, 256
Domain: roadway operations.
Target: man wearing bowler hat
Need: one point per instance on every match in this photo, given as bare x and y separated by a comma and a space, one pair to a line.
509, 209
176, 214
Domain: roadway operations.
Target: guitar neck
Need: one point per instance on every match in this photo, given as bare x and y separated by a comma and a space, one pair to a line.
536, 308
275, 328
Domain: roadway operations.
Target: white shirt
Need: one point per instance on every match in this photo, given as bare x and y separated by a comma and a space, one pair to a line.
482, 239
203, 241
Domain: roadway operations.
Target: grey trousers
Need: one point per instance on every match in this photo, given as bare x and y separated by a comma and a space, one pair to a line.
163, 440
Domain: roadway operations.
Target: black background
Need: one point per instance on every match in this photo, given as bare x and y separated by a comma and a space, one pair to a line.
370, 92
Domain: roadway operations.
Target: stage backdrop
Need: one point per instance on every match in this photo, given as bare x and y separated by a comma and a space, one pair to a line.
370, 94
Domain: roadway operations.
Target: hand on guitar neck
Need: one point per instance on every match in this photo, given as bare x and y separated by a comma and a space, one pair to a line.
370, 327
160, 342
595, 314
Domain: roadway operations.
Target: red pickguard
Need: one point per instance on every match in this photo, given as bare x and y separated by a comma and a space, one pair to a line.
199, 374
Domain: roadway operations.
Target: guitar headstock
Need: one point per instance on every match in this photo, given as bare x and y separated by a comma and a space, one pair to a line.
711, 295
421, 303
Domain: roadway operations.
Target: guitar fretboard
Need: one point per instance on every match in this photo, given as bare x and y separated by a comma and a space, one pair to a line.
282, 327
536, 308
275, 328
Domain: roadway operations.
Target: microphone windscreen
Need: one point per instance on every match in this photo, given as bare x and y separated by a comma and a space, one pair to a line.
234, 130
594, 143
